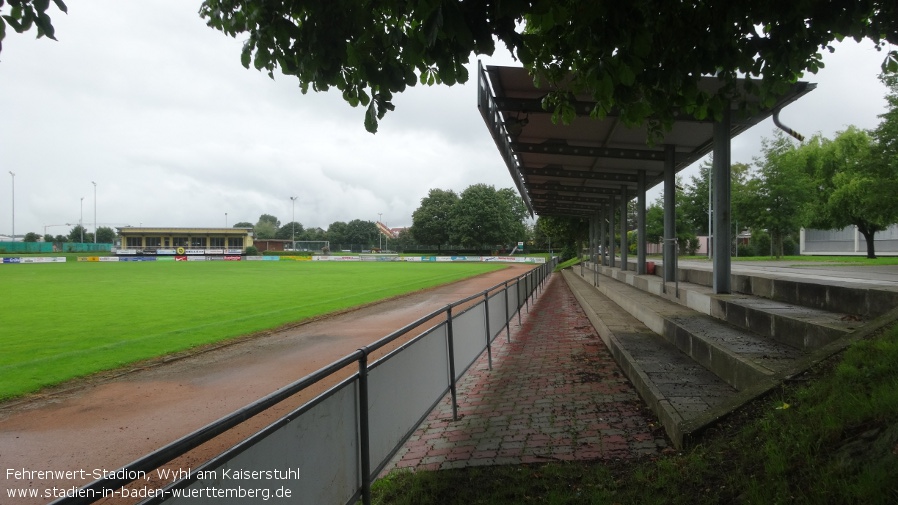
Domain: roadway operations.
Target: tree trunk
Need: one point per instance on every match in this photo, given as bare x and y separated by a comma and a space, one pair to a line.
871, 252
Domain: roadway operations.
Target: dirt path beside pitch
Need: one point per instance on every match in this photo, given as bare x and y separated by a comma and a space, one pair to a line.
109, 421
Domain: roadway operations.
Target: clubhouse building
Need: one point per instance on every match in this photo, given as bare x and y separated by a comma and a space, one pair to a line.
142, 241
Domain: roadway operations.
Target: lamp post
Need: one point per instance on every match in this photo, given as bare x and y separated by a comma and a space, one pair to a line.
13, 205
380, 234
226, 219
293, 221
95, 211
81, 220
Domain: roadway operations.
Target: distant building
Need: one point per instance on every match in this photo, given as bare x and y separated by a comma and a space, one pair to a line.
848, 242
272, 244
182, 241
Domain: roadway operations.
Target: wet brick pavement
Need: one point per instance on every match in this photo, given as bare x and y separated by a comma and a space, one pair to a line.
554, 394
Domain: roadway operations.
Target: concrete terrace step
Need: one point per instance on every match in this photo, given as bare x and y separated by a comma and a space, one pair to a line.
633, 312
800, 327
792, 324
738, 356
860, 297
684, 395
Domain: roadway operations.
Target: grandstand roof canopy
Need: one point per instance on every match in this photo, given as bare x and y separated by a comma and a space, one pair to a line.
574, 169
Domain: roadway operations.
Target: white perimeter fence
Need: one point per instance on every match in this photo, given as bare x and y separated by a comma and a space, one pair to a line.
328, 450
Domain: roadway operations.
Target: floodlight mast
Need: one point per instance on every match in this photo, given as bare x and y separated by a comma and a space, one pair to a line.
81, 220
13, 205
293, 222
95, 211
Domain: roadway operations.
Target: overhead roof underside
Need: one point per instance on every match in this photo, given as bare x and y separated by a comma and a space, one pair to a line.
574, 169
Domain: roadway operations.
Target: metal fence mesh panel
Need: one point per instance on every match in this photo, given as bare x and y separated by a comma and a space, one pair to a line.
402, 389
496, 305
320, 447
468, 337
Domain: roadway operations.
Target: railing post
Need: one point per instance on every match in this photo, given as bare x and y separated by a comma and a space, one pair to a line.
527, 292
452, 390
507, 316
486, 323
364, 435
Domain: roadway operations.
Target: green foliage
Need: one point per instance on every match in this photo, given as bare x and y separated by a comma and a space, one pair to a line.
77, 233
484, 217
105, 235
315, 233
856, 182
164, 315
431, 220
565, 233
654, 224
289, 230
251, 251
243, 224
31, 237
780, 191
361, 232
645, 61
337, 233
25, 14
266, 227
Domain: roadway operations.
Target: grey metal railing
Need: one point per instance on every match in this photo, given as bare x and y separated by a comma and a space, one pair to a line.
331, 447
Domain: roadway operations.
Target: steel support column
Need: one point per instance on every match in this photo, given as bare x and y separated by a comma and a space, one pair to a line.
623, 228
597, 258
602, 247
592, 238
611, 259
640, 223
721, 168
670, 214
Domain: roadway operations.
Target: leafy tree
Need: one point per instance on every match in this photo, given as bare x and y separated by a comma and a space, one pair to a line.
564, 233
61, 238
694, 197
484, 217
886, 133
243, 224
403, 241
31, 237
105, 235
687, 241
337, 234
287, 231
780, 191
266, 227
431, 220
645, 61
853, 185
77, 233
49, 238
361, 232
313, 234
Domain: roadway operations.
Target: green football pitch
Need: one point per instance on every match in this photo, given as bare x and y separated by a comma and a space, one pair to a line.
60, 321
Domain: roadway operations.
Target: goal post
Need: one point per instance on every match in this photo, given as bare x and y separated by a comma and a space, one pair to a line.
314, 246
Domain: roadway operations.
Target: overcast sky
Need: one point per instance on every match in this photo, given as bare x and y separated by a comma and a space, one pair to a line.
152, 105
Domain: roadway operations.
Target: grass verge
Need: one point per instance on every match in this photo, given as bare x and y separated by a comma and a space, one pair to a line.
66, 320
830, 436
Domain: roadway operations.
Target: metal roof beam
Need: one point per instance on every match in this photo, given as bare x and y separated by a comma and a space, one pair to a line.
571, 189
582, 108
578, 174
588, 151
